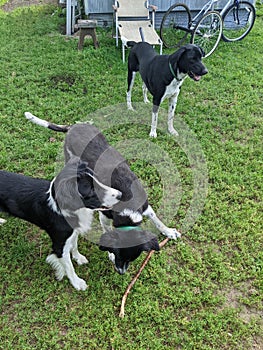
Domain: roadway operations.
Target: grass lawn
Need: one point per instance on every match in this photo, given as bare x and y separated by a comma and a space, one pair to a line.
204, 291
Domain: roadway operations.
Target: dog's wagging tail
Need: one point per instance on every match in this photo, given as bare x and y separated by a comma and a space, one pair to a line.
46, 124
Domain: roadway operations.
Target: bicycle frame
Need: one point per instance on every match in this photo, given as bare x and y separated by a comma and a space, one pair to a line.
236, 2
210, 6
208, 25
207, 7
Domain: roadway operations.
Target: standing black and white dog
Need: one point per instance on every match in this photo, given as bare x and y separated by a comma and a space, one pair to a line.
163, 76
63, 208
88, 143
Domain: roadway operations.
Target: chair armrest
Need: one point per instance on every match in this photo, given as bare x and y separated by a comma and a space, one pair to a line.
153, 7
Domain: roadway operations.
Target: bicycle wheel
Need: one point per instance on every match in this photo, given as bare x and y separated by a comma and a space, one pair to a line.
238, 21
175, 26
207, 32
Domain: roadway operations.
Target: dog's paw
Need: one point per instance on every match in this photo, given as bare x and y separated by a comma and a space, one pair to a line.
145, 100
79, 284
172, 233
173, 132
153, 134
2, 221
111, 257
80, 259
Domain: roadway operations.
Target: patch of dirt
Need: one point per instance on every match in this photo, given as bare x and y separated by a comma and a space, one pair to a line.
62, 83
246, 313
13, 4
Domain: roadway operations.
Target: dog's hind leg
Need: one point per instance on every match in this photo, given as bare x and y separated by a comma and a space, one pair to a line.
55, 263
131, 78
168, 232
144, 91
171, 111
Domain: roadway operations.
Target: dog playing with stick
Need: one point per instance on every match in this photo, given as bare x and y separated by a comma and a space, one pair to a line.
87, 142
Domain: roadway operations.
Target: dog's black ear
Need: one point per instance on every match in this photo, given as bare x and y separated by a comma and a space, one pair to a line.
195, 47
175, 58
66, 184
83, 170
188, 47
177, 55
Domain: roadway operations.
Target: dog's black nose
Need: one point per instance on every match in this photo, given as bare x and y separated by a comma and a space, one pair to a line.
119, 196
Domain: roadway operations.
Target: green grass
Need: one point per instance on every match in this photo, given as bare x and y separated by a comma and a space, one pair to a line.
204, 291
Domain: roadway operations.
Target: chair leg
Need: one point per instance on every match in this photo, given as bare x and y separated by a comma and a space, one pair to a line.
117, 36
123, 53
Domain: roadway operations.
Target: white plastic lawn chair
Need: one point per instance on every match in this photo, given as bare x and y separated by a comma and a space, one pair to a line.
133, 23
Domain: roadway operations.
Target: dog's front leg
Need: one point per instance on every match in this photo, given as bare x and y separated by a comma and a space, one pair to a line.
171, 111
79, 258
153, 132
77, 282
168, 232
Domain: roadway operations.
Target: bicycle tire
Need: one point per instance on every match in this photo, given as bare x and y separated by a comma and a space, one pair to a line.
236, 28
172, 37
207, 32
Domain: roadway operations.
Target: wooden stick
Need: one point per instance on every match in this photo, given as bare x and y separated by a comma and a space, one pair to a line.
128, 289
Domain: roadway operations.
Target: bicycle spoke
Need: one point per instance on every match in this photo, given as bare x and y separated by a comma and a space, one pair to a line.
207, 32
175, 26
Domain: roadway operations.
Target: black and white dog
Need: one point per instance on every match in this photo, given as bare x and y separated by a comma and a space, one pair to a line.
163, 76
88, 143
63, 208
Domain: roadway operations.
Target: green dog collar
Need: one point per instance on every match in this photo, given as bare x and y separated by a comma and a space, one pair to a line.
173, 72
128, 228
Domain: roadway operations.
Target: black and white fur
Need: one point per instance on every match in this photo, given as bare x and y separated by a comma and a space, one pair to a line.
88, 143
63, 208
163, 76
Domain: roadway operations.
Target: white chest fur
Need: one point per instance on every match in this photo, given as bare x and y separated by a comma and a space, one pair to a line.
172, 89
85, 217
